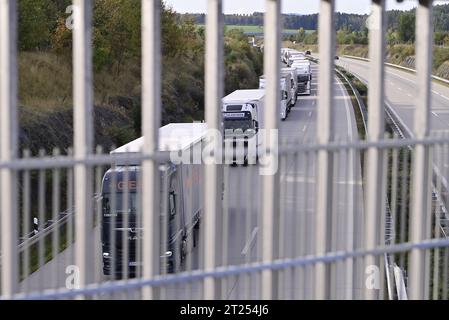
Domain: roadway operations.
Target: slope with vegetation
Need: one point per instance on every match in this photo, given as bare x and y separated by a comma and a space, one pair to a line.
45, 71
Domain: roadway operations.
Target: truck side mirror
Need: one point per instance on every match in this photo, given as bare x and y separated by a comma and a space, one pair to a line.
285, 96
172, 204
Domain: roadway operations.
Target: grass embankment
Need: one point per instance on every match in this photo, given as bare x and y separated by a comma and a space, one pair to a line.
45, 98
400, 54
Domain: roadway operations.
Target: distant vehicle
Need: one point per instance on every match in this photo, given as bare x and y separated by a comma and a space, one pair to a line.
242, 119
285, 95
304, 76
285, 55
337, 58
181, 188
308, 52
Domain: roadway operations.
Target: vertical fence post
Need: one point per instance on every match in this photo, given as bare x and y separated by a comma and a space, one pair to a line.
421, 175
374, 205
326, 42
83, 132
270, 183
151, 115
8, 144
213, 171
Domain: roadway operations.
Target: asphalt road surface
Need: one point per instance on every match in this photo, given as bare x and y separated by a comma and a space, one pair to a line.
242, 217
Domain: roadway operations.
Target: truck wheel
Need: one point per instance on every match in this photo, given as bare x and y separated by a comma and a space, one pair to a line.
196, 230
194, 237
183, 250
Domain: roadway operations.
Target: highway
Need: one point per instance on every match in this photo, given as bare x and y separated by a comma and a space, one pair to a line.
242, 216
400, 91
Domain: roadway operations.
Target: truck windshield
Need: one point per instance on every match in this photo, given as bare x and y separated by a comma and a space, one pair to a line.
116, 208
234, 124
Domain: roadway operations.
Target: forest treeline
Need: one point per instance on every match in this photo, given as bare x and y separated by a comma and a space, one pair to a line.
353, 22
352, 27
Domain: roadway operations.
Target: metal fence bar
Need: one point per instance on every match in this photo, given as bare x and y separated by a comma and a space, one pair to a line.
56, 206
26, 216
8, 145
376, 128
234, 270
324, 135
83, 131
213, 175
421, 162
151, 113
270, 183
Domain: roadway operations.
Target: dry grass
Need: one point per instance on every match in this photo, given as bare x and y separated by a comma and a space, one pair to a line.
45, 82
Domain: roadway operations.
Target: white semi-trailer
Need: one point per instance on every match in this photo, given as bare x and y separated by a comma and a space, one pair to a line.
294, 83
181, 192
286, 98
242, 119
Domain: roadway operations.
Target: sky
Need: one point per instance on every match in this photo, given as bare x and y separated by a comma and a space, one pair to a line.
288, 6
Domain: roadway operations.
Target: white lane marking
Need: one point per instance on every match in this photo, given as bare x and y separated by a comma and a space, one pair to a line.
349, 212
436, 115
411, 81
442, 96
310, 113
348, 114
304, 129
249, 241
399, 88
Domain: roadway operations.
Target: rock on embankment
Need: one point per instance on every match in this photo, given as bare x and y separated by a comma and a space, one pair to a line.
443, 70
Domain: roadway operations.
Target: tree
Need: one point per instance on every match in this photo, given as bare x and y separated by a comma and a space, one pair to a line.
311, 38
37, 19
301, 35
406, 27
392, 37
446, 41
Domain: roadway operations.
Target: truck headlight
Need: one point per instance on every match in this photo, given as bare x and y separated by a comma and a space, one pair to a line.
105, 254
167, 254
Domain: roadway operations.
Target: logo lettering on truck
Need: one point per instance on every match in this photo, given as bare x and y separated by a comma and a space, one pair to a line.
127, 185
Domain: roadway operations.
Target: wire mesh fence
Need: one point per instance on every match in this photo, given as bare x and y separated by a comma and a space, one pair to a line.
316, 218
46, 244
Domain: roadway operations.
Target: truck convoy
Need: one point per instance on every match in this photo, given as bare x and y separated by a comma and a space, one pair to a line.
181, 192
297, 60
286, 94
242, 119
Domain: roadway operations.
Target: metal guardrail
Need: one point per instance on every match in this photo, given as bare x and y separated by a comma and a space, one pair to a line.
360, 104
445, 81
388, 223
38, 235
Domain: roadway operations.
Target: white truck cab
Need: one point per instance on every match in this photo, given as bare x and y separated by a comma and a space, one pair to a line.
181, 189
242, 119
304, 75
